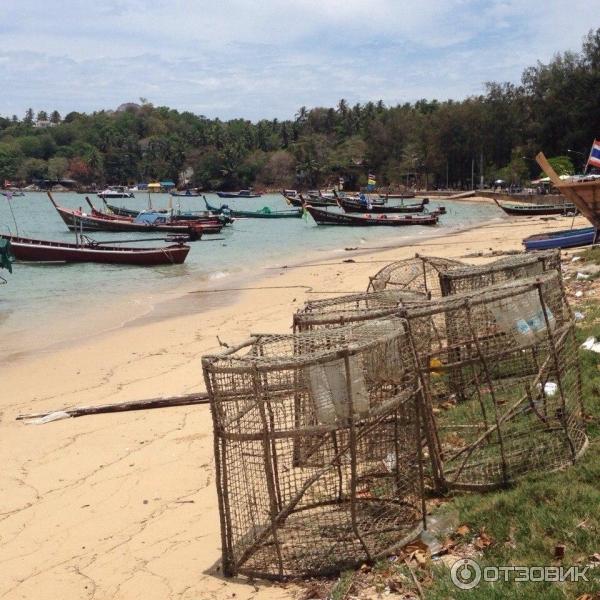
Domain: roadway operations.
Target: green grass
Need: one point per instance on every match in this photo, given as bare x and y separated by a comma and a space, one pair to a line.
528, 520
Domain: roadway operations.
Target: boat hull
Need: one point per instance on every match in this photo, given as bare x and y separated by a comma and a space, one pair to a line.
246, 214
355, 207
31, 250
572, 238
324, 217
237, 195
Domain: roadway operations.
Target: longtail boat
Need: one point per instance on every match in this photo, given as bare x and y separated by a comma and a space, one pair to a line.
185, 194
524, 209
585, 195
210, 223
354, 206
87, 250
241, 194
174, 215
76, 220
263, 213
569, 238
325, 217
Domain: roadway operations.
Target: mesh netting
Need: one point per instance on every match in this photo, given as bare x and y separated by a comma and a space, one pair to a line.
510, 268
502, 380
354, 308
419, 274
317, 448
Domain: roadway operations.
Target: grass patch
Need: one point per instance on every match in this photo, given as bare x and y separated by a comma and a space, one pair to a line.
527, 521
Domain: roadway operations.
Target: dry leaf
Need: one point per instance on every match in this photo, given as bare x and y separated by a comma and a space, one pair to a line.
463, 530
483, 540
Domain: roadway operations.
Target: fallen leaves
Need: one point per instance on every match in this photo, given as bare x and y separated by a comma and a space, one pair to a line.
483, 540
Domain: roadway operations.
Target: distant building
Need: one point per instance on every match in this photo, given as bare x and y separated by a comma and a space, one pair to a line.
44, 124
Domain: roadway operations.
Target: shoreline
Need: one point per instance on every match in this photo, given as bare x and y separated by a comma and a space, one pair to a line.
123, 505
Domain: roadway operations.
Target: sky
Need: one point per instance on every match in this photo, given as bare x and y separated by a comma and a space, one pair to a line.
266, 58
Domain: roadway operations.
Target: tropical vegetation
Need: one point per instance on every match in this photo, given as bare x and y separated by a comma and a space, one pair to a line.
438, 143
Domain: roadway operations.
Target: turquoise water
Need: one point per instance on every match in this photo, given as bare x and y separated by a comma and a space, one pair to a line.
38, 297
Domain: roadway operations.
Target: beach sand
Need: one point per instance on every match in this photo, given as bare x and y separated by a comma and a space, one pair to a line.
123, 506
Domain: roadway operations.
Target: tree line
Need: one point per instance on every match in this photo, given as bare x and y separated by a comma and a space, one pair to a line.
554, 108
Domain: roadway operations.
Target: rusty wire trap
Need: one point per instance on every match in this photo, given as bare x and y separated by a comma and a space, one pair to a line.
317, 447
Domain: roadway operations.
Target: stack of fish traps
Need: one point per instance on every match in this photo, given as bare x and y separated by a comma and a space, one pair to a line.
419, 274
353, 308
502, 382
317, 448
442, 374
469, 277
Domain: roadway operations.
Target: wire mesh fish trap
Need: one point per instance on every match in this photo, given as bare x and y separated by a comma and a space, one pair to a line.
510, 268
353, 308
418, 274
503, 388
317, 449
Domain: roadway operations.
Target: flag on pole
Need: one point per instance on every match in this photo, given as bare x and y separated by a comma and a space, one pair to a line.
371, 182
594, 158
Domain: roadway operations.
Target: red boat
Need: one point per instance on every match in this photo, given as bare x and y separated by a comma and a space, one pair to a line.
87, 250
77, 220
325, 217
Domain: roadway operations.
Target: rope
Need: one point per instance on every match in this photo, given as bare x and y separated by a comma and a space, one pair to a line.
308, 288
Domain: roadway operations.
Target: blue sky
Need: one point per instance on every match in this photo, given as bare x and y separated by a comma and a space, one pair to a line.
266, 58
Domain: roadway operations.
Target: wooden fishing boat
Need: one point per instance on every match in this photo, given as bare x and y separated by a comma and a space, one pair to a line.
299, 201
569, 238
174, 215
241, 194
564, 208
325, 217
185, 194
263, 213
585, 195
403, 196
354, 206
122, 211
87, 250
76, 220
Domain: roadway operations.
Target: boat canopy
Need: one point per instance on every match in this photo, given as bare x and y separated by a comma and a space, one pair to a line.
167, 184
150, 218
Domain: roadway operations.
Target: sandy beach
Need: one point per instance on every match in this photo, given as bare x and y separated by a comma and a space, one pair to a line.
123, 506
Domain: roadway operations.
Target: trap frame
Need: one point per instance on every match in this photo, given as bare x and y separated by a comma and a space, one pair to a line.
317, 449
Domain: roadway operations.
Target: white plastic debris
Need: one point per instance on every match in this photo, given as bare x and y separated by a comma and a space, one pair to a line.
579, 316
54, 416
576, 258
578, 294
591, 344
583, 275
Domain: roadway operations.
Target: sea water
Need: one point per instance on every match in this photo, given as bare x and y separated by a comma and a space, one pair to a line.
45, 304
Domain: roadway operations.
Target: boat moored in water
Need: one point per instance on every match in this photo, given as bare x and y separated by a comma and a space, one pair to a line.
87, 250
326, 217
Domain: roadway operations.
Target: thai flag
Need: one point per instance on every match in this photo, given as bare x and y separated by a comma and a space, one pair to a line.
594, 159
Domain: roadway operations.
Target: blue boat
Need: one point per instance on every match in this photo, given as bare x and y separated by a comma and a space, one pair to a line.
568, 238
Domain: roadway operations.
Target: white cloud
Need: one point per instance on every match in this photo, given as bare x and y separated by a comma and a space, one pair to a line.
264, 59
